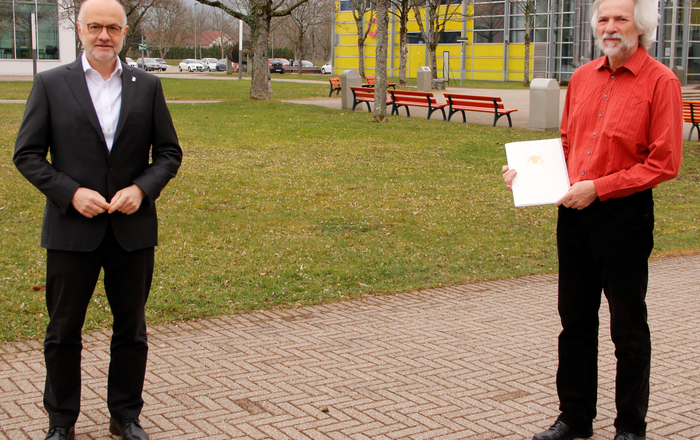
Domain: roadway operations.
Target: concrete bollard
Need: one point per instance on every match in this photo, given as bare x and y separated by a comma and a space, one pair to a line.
425, 79
349, 78
544, 104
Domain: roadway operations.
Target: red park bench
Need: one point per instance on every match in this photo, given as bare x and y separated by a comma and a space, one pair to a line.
366, 95
370, 82
335, 85
484, 104
405, 98
690, 114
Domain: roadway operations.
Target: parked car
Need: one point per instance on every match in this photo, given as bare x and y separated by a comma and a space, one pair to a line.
210, 64
191, 65
304, 63
147, 64
221, 65
285, 62
275, 65
163, 65
130, 62
327, 68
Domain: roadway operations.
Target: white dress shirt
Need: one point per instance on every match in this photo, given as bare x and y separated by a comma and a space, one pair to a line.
106, 97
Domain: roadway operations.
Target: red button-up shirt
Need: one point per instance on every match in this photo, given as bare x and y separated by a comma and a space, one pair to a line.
623, 129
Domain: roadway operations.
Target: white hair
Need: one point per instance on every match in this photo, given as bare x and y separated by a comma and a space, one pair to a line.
646, 19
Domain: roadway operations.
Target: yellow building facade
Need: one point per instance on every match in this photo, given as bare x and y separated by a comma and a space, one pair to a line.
484, 40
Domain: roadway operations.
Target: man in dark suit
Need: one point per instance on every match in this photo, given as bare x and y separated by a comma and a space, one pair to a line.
113, 148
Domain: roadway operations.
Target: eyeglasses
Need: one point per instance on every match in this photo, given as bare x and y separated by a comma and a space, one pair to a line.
96, 29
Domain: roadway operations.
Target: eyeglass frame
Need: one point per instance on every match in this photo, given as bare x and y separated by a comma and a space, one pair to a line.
118, 31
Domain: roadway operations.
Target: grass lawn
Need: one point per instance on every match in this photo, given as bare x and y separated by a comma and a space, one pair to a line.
278, 205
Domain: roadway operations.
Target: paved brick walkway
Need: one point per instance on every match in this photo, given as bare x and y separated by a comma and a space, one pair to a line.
467, 362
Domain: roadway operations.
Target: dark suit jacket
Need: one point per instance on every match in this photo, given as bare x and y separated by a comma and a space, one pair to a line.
60, 120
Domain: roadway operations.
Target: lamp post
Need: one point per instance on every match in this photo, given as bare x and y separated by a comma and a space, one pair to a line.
240, 49
462, 60
195, 29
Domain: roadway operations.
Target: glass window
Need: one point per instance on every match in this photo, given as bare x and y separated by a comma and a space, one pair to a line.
446, 37
15, 29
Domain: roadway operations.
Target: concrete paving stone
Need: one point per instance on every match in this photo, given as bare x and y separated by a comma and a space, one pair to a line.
468, 362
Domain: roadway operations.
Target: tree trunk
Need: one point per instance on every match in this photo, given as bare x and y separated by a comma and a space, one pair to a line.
526, 65
433, 59
403, 49
260, 29
529, 9
361, 57
381, 61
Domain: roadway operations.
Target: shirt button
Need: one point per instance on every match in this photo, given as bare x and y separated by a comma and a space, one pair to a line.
595, 134
589, 153
606, 95
583, 173
613, 77
600, 115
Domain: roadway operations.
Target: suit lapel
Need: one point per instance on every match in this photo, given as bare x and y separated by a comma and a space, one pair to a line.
75, 77
128, 93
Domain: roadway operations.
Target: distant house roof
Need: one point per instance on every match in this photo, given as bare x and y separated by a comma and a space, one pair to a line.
208, 39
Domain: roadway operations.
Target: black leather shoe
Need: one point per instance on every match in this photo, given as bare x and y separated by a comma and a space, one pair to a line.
628, 436
562, 431
127, 429
60, 433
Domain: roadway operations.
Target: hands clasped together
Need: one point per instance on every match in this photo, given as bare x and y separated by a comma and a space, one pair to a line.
90, 203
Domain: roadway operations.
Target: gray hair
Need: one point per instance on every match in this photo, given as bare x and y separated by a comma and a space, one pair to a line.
646, 19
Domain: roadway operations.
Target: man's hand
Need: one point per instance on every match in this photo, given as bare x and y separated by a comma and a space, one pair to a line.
580, 195
89, 203
508, 176
127, 200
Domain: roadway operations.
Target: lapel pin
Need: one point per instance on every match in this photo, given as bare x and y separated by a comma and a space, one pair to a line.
133, 79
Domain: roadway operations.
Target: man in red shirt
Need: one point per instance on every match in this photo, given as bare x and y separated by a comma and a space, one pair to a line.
622, 135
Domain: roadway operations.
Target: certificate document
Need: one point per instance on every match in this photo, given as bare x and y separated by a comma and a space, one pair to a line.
542, 175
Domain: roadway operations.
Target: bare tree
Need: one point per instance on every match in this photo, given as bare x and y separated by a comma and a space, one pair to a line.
402, 9
380, 69
221, 23
359, 9
529, 8
136, 10
438, 13
258, 15
167, 24
301, 21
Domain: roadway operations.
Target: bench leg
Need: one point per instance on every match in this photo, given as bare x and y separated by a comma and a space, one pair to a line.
694, 127
452, 112
444, 118
369, 109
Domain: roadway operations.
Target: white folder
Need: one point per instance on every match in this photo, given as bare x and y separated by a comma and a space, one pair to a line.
542, 175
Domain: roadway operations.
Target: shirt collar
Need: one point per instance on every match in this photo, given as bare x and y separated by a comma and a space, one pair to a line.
87, 67
634, 64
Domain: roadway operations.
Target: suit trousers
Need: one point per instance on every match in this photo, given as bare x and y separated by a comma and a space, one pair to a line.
70, 282
605, 247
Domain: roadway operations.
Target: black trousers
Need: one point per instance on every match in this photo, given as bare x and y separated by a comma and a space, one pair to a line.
70, 282
605, 247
